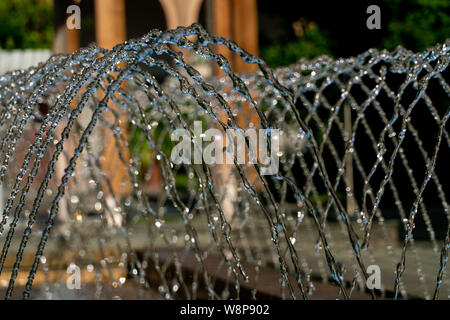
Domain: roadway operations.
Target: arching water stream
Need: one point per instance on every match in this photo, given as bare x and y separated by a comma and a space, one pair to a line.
88, 174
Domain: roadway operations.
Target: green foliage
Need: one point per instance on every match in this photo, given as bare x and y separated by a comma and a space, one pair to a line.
139, 145
414, 24
417, 24
311, 42
26, 24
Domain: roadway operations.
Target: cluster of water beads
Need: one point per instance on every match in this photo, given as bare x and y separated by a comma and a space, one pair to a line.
280, 221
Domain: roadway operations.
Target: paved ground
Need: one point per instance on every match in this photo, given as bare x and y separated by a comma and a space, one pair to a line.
419, 276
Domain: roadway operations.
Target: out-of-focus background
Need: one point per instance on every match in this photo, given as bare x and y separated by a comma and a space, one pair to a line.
280, 31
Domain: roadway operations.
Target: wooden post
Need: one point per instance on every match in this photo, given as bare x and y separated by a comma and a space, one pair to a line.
178, 13
73, 40
65, 40
223, 27
351, 206
110, 29
236, 20
245, 31
181, 12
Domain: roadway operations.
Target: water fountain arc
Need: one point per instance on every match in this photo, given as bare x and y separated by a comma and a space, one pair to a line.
54, 117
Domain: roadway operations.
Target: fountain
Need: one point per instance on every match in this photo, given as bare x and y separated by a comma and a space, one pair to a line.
87, 174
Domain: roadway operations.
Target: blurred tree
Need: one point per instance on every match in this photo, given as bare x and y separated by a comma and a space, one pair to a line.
417, 24
26, 24
311, 42
340, 30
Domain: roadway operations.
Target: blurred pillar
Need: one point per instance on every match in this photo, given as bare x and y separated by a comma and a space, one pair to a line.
181, 12
223, 27
245, 31
65, 40
237, 20
73, 40
178, 13
351, 202
110, 30
110, 27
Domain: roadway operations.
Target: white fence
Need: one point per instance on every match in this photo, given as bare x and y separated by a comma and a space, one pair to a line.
21, 59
